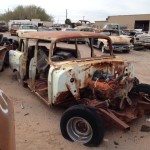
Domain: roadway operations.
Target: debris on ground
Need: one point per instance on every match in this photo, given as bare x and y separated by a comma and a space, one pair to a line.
22, 106
145, 128
105, 140
116, 143
26, 114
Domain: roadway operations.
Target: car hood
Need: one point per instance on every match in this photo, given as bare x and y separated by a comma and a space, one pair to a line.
118, 39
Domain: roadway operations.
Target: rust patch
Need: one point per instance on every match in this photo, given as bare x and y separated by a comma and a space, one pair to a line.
7, 127
65, 97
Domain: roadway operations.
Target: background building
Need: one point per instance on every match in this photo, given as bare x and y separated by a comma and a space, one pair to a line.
140, 21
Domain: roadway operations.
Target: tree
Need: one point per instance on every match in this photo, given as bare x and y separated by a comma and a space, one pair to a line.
26, 12
67, 21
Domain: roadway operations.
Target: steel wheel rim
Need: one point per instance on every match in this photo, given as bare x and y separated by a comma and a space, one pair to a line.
79, 130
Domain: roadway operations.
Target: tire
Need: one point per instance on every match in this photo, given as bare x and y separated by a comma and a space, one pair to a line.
138, 48
68, 42
92, 131
2, 69
144, 88
83, 42
126, 51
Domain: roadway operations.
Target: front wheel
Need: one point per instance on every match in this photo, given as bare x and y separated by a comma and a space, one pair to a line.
143, 89
82, 124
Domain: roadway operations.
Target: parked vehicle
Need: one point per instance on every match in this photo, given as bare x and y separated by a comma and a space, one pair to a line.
41, 29
25, 29
81, 40
120, 43
85, 28
96, 89
142, 41
5, 45
3, 26
7, 127
69, 29
14, 28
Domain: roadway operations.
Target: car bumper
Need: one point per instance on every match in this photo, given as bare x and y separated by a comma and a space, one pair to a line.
142, 44
120, 48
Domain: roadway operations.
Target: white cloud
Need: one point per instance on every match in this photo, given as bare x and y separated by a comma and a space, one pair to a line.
91, 10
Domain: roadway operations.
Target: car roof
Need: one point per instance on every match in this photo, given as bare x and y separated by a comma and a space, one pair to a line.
58, 35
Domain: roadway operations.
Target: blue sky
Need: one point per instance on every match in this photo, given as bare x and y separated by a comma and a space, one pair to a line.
92, 10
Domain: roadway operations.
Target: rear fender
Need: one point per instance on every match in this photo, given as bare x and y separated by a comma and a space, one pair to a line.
15, 59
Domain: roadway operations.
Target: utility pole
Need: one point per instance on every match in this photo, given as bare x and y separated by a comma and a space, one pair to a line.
66, 13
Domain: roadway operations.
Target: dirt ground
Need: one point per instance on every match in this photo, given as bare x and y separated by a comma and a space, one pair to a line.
37, 125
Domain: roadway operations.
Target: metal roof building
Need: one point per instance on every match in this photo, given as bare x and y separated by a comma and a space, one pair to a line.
139, 21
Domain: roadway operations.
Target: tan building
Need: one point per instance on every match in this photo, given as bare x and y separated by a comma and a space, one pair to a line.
141, 21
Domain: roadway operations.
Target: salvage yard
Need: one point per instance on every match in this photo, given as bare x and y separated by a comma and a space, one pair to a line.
37, 125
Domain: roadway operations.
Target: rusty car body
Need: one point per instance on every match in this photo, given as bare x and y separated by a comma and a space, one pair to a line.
7, 127
100, 88
5, 45
120, 43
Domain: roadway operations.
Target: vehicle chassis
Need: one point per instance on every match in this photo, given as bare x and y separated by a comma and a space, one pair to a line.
111, 91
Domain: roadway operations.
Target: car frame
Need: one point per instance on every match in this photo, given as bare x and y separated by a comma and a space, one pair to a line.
96, 89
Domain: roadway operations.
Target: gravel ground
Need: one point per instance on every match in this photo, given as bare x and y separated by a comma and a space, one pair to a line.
37, 125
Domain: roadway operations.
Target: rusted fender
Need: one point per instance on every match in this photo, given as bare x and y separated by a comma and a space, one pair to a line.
7, 127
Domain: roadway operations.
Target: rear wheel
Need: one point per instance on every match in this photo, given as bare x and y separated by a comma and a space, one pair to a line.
82, 124
145, 88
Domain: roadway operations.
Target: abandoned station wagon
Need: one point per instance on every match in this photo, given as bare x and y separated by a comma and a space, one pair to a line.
96, 89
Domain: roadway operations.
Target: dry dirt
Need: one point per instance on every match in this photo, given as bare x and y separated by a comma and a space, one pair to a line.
37, 125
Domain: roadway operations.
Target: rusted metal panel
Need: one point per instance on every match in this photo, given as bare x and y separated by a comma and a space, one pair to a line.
3, 52
78, 75
7, 128
120, 40
58, 35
